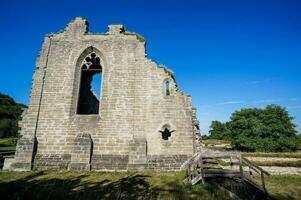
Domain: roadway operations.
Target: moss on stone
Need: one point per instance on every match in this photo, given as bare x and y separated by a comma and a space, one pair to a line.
138, 36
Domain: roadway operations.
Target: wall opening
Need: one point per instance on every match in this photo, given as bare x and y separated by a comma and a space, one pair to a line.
96, 84
90, 85
167, 88
166, 132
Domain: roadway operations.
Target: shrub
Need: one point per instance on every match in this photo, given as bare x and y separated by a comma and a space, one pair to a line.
266, 130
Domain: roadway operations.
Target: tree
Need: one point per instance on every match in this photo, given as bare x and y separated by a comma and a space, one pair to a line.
10, 114
219, 130
270, 129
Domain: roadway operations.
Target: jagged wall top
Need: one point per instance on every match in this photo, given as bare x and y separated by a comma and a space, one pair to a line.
79, 26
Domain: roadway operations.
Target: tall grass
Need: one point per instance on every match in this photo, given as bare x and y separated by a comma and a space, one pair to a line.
278, 155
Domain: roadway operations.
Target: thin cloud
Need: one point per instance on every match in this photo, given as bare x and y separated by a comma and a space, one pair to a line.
265, 101
295, 99
253, 82
294, 107
230, 102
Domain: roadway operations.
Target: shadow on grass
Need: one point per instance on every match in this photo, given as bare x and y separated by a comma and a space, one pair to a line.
241, 189
30, 187
51, 185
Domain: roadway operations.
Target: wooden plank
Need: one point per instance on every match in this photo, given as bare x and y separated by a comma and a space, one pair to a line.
228, 175
240, 167
253, 183
202, 169
219, 171
249, 163
210, 161
189, 173
222, 155
262, 180
216, 157
255, 169
196, 179
192, 159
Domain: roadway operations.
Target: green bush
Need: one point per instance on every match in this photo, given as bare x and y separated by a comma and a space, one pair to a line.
10, 114
266, 130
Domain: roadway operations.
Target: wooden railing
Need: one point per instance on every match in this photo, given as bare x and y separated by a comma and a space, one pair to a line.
255, 168
196, 171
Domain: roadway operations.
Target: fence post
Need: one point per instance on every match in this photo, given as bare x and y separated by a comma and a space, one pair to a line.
189, 172
240, 167
231, 162
262, 180
202, 175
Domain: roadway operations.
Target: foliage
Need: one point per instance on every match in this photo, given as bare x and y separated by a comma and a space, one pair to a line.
139, 37
253, 129
211, 142
10, 113
219, 130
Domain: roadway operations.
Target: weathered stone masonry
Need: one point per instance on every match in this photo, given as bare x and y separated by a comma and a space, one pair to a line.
138, 123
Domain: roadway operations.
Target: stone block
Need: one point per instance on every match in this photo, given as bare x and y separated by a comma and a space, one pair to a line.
25, 152
7, 163
137, 154
81, 154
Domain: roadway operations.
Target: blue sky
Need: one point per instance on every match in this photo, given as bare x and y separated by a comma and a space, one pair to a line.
226, 54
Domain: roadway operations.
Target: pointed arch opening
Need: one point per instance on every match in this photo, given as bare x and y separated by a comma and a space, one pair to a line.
90, 83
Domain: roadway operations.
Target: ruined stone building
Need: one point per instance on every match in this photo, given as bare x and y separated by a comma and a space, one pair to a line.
140, 120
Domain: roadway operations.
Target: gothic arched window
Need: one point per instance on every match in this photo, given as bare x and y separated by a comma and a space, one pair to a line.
90, 85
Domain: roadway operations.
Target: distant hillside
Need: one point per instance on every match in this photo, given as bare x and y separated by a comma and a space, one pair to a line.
10, 113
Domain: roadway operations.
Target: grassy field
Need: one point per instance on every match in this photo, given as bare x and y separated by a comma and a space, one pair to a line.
277, 155
294, 163
214, 142
210, 142
100, 185
8, 144
284, 187
113, 185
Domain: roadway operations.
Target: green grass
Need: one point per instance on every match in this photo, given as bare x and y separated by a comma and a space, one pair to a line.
101, 185
278, 155
280, 163
294, 163
138, 36
8, 144
284, 187
215, 142
5, 149
127, 185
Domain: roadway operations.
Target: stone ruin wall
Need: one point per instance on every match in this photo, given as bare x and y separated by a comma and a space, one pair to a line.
133, 107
